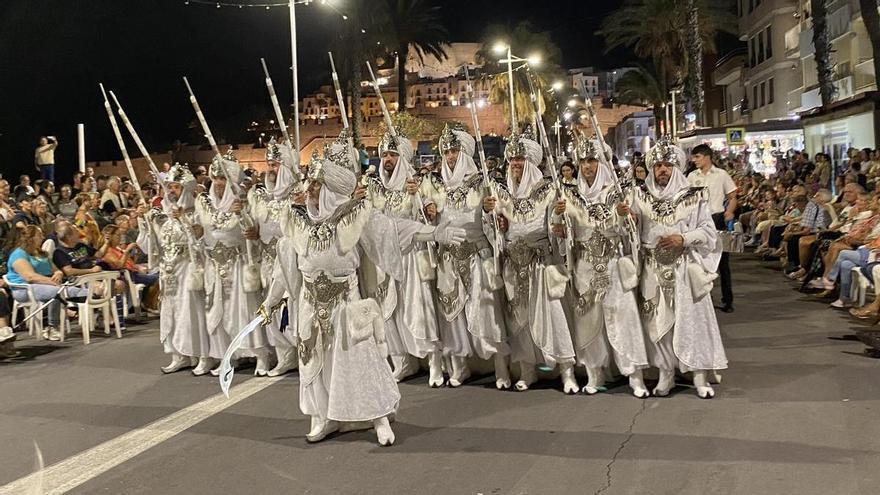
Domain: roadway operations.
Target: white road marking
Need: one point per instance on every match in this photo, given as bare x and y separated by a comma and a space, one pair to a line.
80, 468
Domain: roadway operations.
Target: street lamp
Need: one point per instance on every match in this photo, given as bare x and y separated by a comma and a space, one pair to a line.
674, 114
535, 59
557, 85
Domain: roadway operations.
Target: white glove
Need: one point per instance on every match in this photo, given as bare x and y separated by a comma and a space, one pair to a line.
447, 234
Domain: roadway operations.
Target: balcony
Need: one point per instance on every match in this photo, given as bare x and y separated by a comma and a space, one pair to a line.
728, 68
811, 98
793, 42
749, 20
839, 24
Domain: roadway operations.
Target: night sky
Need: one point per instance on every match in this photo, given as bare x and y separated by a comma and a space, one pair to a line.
53, 53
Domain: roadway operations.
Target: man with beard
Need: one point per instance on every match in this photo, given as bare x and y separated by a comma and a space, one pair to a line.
680, 256
466, 279
605, 314
534, 287
411, 325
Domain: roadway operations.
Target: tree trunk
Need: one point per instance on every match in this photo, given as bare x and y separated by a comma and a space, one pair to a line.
402, 55
872, 23
694, 45
822, 44
357, 114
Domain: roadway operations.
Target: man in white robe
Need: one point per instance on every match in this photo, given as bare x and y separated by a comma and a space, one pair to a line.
345, 378
470, 300
680, 253
537, 326
606, 324
411, 325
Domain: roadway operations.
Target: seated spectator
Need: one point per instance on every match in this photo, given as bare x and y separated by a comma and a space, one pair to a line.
111, 201
88, 228
7, 212
100, 216
815, 218
45, 219
24, 186
46, 192
66, 203
28, 264
25, 215
118, 258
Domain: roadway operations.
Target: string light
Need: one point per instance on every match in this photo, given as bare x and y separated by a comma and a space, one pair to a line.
269, 5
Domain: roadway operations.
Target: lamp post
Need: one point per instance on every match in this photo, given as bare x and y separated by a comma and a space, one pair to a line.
295, 83
674, 115
511, 58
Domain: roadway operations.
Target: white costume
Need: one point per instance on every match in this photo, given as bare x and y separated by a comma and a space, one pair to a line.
471, 304
411, 324
605, 314
344, 374
537, 327
266, 206
231, 296
170, 244
678, 314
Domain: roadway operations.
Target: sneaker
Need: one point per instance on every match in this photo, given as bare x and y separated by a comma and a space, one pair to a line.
840, 304
52, 333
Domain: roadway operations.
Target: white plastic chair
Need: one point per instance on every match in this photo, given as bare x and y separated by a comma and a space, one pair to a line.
859, 287
106, 302
133, 295
35, 324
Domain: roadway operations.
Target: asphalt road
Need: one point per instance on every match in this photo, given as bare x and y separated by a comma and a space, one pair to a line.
796, 413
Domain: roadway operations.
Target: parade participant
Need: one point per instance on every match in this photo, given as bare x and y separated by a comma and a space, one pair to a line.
345, 378
681, 254
231, 294
466, 278
266, 205
411, 325
167, 236
605, 314
537, 327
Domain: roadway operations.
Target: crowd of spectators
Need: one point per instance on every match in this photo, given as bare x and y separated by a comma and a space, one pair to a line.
49, 235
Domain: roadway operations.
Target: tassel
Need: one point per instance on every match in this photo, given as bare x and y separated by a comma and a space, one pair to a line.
252, 282
195, 279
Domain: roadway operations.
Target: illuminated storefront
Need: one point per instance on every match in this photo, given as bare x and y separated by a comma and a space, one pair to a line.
763, 143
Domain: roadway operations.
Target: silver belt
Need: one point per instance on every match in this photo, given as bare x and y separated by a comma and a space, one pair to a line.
323, 294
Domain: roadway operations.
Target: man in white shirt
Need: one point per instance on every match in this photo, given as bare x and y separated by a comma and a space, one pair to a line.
721, 188
44, 157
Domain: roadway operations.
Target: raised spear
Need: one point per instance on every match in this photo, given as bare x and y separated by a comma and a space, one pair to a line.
119, 140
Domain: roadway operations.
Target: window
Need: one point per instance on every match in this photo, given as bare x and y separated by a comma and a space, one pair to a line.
770, 91
760, 47
739, 8
768, 43
755, 96
763, 93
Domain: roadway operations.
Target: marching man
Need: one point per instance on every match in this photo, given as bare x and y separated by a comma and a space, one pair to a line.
534, 287
680, 259
605, 315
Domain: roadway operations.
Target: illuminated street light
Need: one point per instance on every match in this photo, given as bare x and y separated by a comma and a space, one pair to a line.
557, 85
500, 47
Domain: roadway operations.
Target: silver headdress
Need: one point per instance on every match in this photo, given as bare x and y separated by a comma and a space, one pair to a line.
337, 178
227, 162
449, 140
179, 174
389, 143
273, 151
520, 144
340, 153
666, 151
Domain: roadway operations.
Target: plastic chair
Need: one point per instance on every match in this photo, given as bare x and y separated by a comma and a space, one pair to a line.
859, 286
133, 295
105, 302
35, 324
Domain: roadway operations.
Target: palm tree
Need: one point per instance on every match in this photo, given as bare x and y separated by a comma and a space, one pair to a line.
523, 40
657, 30
822, 44
643, 86
872, 24
417, 25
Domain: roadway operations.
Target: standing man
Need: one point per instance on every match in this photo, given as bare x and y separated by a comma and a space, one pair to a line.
44, 157
720, 188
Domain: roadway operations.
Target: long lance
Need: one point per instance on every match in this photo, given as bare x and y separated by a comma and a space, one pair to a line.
342, 111
552, 164
119, 140
279, 117
246, 219
490, 184
606, 161
143, 149
417, 198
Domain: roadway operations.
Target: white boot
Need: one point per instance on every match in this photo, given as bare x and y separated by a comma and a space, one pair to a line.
216, 370
715, 377
527, 376
404, 367
502, 372
569, 382
665, 384
384, 433
460, 371
204, 367
637, 384
287, 361
178, 362
701, 381
321, 427
435, 370
263, 364
595, 382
